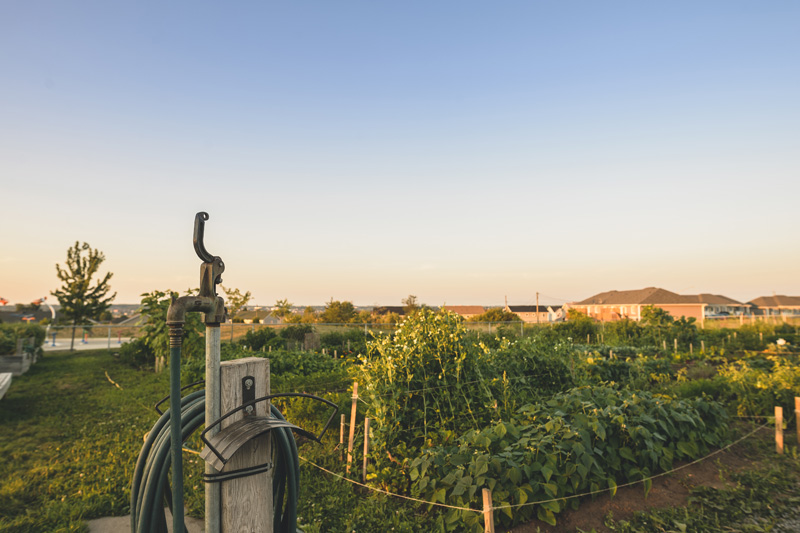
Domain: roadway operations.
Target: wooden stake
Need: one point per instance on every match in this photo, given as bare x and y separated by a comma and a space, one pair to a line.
342, 423
779, 429
488, 515
703, 346
366, 450
352, 426
691, 348
797, 417
676, 344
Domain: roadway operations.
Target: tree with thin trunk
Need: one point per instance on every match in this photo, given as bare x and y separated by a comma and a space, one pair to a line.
80, 300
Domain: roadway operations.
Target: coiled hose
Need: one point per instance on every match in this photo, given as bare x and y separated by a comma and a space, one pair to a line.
150, 484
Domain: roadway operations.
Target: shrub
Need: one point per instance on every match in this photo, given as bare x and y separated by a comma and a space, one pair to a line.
260, 339
11, 333
137, 353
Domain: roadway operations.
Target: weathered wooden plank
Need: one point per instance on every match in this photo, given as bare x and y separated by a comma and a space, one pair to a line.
5, 383
243, 500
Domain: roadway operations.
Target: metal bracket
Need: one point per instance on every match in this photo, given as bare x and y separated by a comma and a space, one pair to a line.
221, 447
248, 395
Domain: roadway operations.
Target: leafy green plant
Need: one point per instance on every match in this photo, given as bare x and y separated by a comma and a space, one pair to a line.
11, 333
583, 440
761, 383
156, 333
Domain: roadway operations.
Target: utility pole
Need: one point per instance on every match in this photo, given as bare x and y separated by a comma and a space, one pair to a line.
537, 307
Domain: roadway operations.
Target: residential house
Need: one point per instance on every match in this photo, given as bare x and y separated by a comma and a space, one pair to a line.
616, 305
718, 306
776, 305
258, 316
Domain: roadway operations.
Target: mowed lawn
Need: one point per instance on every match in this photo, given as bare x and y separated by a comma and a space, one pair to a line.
69, 440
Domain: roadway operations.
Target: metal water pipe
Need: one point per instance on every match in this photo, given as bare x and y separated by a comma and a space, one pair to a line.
213, 306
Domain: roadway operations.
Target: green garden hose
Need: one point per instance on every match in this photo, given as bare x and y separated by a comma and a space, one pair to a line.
150, 485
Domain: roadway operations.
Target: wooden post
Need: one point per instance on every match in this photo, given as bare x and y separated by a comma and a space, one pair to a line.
797, 417
588, 340
488, 515
342, 423
761, 336
242, 499
691, 348
779, 429
664, 345
366, 450
703, 346
675, 341
352, 426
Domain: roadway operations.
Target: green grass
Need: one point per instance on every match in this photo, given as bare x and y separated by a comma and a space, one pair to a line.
70, 440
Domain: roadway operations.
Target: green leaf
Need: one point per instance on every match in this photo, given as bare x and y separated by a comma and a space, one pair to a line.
547, 516
547, 472
627, 453
613, 486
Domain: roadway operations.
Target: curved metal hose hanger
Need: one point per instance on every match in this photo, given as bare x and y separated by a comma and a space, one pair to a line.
207, 286
199, 228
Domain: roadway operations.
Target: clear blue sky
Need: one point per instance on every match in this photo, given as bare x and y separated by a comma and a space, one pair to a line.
364, 151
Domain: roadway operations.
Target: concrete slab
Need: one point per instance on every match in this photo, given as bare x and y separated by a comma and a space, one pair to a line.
122, 524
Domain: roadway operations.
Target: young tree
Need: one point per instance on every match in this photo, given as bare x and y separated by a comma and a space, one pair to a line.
283, 309
337, 312
79, 299
236, 300
410, 304
309, 315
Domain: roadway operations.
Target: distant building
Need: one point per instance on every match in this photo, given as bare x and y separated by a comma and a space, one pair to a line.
466, 311
616, 305
776, 305
258, 316
532, 314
